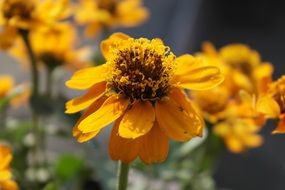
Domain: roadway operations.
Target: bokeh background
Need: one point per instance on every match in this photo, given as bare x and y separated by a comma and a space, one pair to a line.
184, 25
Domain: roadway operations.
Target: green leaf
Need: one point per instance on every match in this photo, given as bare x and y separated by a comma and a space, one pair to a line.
68, 166
52, 186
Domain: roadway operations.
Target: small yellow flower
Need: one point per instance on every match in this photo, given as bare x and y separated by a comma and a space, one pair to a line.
18, 15
139, 88
239, 134
247, 70
230, 107
7, 83
243, 71
53, 46
98, 14
6, 183
272, 104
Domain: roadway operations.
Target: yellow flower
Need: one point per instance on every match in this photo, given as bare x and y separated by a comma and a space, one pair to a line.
139, 88
18, 15
247, 70
7, 83
243, 71
231, 107
6, 183
239, 134
53, 46
272, 104
212, 103
98, 14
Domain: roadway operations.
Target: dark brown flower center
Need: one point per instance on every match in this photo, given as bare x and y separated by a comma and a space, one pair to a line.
141, 73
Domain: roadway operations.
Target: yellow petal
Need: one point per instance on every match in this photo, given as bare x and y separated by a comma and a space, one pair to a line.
86, 78
268, 106
253, 140
154, 146
5, 157
137, 121
234, 144
5, 175
241, 81
5, 161
6, 86
203, 78
180, 97
111, 42
80, 103
186, 62
209, 49
111, 110
9, 185
123, 149
83, 137
176, 121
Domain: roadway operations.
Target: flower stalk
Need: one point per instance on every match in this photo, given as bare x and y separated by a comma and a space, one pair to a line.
122, 177
34, 70
35, 91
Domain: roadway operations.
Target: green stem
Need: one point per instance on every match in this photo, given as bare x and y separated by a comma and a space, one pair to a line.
34, 70
35, 92
3, 117
123, 171
49, 83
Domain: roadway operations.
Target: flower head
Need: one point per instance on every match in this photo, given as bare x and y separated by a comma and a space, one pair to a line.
139, 89
98, 14
44, 40
6, 183
18, 15
232, 104
272, 104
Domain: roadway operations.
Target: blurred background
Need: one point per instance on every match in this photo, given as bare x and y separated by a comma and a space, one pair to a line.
184, 25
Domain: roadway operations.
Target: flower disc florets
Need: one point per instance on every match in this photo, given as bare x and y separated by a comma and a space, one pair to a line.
17, 8
141, 69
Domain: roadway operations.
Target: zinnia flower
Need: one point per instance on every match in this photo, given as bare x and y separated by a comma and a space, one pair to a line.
100, 14
231, 106
6, 182
272, 104
44, 40
16, 15
139, 88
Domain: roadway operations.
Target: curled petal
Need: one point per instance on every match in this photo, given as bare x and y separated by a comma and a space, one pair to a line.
111, 110
86, 78
83, 137
268, 106
111, 42
203, 78
82, 102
